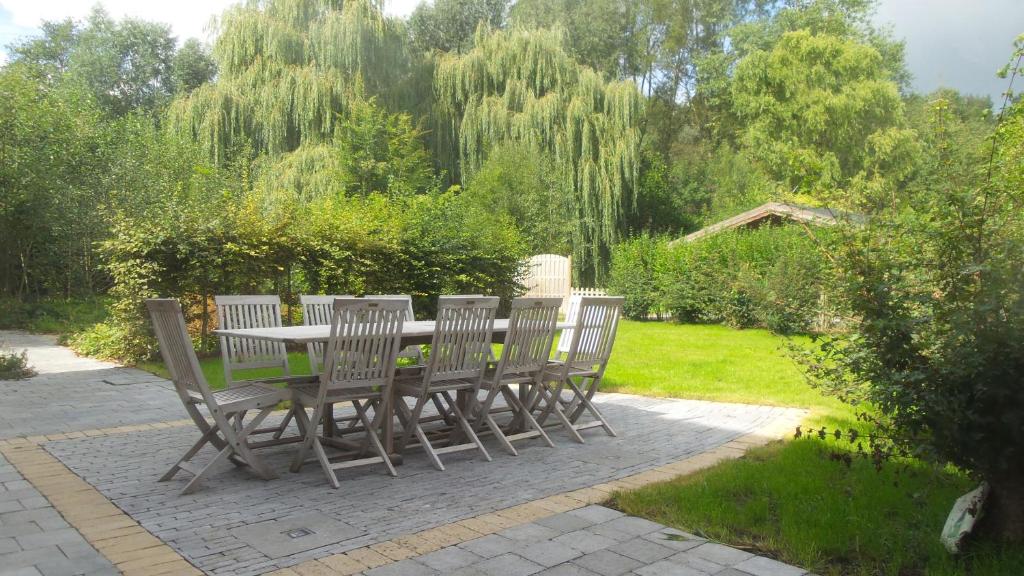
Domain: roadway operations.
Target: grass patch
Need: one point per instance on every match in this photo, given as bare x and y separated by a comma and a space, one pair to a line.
789, 500
213, 369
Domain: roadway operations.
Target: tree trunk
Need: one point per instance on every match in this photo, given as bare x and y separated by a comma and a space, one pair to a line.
1004, 512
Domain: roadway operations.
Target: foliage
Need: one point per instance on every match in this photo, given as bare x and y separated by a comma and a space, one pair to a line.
285, 70
637, 266
14, 365
522, 86
126, 66
422, 245
449, 25
769, 277
52, 162
936, 291
519, 181
821, 110
52, 316
192, 66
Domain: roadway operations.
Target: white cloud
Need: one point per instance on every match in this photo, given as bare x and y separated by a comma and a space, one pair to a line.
187, 18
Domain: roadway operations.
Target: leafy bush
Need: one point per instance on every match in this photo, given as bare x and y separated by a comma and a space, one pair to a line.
769, 277
636, 265
14, 365
55, 316
936, 289
424, 245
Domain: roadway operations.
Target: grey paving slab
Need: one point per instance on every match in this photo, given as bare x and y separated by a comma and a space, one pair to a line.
649, 554
72, 393
37, 540
201, 526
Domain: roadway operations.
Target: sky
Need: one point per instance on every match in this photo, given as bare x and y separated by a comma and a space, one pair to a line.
950, 43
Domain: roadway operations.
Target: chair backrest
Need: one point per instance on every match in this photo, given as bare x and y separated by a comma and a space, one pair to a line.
317, 311
410, 315
571, 315
246, 353
531, 329
594, 332
461, 344
177, 351
362, 349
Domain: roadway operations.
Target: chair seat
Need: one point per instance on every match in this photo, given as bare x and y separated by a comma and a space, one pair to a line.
307, 393
246, 397
555, 368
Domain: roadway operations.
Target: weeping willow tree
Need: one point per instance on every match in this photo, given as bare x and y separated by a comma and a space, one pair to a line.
286, 68
523, 86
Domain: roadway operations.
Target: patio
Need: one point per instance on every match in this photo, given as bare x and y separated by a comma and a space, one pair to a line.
410, 524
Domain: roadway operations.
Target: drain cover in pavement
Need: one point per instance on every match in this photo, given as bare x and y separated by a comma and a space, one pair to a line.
288, 536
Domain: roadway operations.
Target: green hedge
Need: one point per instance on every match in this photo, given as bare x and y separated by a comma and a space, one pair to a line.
423, 245
769, 277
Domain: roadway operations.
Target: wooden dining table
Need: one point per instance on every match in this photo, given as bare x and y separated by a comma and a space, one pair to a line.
414, 333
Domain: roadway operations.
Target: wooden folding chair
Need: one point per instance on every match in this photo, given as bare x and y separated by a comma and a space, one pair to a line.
359, 368
581, 368
415, 353
317, 311
229, 433
524, 356
458, 357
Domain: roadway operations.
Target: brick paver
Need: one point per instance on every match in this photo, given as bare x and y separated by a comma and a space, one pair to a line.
72, 393
86, 444
35, 539
214, 527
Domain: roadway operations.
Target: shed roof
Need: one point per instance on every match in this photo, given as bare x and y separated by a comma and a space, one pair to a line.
769, 211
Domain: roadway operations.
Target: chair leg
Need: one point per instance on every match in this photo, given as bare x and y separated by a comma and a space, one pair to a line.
589, 406
411, 427
514, 401
243, 449
553, 407
203, 440
374, 440
193, 484
468, 429
302, 419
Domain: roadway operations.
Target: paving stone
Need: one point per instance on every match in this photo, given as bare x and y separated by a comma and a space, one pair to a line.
675, 539
586, 541
695, 562
565, 522
761, 566
669, 568
407, 567
548, 554
490, 546
75, 394
567, 570
607, 563
508, 565
596, 513
643, 550
28, 571
52, 538
530, 532
449, 558
8, 545
720, 554
70, 392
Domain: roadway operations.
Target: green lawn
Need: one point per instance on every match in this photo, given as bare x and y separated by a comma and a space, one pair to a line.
789, 500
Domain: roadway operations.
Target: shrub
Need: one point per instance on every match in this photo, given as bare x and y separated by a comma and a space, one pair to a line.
769, 277
935, 286
14, 365
635, 272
